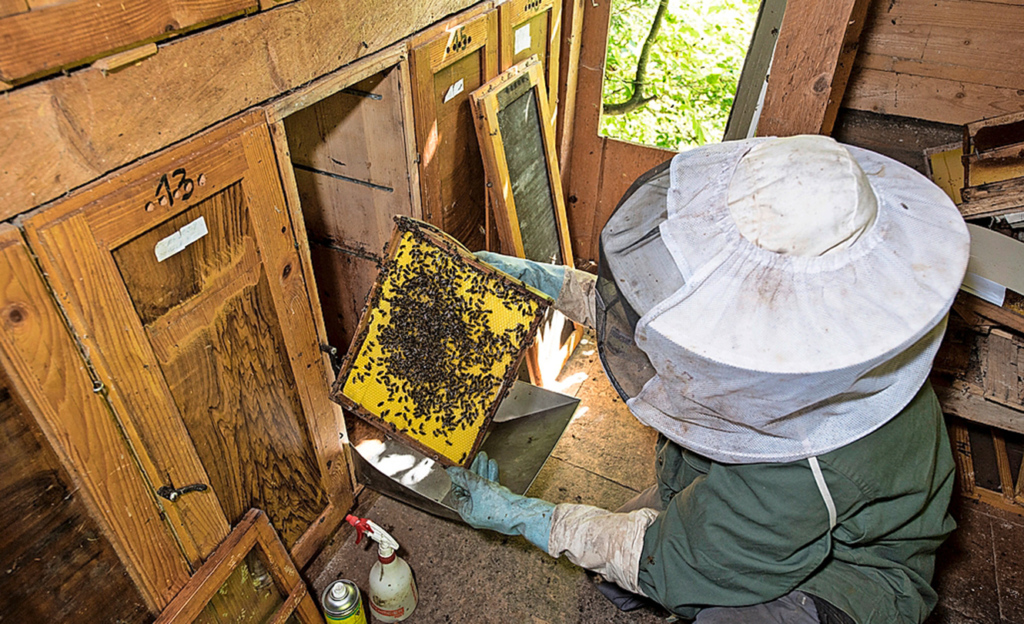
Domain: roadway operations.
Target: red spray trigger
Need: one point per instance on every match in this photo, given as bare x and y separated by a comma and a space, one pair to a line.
362, 526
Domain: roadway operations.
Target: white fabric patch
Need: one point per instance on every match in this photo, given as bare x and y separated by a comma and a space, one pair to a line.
454, 90
177, 242
801, 195
605, 542
577, 299
523, 40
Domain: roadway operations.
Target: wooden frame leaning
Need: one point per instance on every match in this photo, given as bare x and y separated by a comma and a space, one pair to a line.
253, 532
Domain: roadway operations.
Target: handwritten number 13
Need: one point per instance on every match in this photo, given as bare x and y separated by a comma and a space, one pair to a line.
184, 187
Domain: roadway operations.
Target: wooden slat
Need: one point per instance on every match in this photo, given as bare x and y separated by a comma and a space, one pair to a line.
999, 315
291, 603
568, 78
47, 371
1001, 383
61, 35
927, 98
61, 133
1003, 465
812, 63
953, 61
993, 199
945, 71
968, 403
972, 129
126, 58
280, 141
12, 7
293, 308
961, 441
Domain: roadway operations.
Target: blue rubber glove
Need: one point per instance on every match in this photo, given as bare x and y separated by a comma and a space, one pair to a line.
546, 278
484, 504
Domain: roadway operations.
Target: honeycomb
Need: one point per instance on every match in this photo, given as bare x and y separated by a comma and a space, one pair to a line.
439, 345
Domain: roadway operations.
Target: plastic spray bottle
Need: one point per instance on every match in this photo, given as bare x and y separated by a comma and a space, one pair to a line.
392, 588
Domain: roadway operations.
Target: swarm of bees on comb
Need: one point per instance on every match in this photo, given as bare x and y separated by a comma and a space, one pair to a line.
439, 344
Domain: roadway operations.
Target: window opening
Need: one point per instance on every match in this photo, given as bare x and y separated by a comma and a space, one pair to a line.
672, 67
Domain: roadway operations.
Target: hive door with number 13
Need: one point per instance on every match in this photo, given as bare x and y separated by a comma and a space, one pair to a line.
183, 281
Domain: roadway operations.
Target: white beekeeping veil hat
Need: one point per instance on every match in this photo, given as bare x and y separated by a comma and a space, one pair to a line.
773, 299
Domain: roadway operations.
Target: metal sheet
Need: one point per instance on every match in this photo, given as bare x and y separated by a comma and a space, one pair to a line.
525, 431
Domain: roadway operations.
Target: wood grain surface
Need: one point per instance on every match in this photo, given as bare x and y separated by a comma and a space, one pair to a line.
61, 133
65, 34
451, 170
54, 555
47, 372
951, 61
218, 377
811, 65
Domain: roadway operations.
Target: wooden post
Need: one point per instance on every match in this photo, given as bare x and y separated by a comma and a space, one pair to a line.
817, 45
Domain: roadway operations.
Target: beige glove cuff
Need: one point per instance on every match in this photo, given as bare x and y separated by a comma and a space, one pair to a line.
607, 543
577, 299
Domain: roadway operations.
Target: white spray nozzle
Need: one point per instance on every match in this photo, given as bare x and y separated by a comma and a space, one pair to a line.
363, 526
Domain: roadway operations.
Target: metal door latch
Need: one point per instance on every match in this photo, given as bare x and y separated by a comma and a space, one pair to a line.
173, 494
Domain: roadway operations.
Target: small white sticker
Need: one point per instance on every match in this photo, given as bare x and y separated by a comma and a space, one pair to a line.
522, 39
454, 90
177, 242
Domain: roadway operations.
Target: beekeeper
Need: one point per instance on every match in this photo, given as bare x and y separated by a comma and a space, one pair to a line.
772, 307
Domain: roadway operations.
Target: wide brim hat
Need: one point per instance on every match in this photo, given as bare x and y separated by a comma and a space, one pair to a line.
747, 355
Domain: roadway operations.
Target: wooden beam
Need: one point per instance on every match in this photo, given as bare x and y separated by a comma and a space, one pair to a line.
932, 99
61, 133
965, 401
813, 59
62, 35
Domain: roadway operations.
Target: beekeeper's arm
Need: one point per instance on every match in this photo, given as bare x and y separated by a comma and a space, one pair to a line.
737, 535
573, 290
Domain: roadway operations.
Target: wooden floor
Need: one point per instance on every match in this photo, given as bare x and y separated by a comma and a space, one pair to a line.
980, 574
604, 458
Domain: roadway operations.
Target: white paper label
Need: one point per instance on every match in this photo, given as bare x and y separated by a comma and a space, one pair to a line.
984, 289
177, 242
454, 90
522, 39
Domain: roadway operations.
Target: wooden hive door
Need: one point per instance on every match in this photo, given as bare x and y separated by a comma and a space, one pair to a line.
182, 279
533, 27
449, 62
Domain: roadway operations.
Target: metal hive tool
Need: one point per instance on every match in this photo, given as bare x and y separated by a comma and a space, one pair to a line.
438, 344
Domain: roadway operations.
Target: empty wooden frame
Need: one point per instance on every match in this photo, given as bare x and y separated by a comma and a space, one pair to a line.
253, 535
521, 164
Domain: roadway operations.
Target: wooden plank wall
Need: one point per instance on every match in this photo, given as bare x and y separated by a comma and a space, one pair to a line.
950, 61
61, 133
53, 556
48, 36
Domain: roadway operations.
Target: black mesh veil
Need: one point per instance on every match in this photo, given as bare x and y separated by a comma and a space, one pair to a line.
635, 272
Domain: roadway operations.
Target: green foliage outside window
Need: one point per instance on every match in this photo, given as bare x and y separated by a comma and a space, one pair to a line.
690, 76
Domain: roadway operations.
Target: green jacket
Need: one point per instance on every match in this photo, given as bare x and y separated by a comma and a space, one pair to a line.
742, 534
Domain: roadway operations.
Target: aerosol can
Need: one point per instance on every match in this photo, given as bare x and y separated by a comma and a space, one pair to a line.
392, 588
